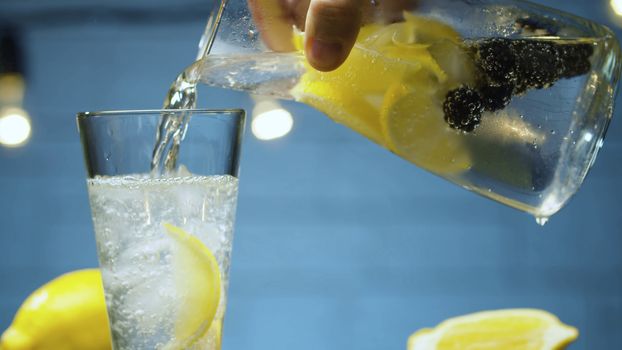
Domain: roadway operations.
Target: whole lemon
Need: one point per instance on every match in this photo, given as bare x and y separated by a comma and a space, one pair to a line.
68, 313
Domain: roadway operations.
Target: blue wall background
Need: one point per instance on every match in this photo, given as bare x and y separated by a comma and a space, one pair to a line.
339, 244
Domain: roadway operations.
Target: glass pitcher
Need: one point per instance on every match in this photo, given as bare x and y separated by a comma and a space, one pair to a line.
505, 98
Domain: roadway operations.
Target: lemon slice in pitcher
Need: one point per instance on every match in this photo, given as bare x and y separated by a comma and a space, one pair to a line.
429, 30
413, 128
197, 280
392, 87
514, 329
343, 106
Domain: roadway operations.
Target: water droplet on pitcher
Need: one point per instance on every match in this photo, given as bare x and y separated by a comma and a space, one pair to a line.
553, 132
542, 220
107, 155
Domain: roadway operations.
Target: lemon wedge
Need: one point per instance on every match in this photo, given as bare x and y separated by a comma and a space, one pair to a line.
197, 279
67, 313
513, 329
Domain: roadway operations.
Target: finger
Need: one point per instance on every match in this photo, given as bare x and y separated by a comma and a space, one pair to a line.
272, 18
330, 31
297, 12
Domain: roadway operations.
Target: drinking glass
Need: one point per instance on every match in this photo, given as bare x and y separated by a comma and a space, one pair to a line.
163, 238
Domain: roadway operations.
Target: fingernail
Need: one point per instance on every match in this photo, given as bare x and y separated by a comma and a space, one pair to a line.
326, 54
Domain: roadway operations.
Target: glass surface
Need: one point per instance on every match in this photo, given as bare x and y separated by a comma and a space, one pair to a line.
163, 239
508, 99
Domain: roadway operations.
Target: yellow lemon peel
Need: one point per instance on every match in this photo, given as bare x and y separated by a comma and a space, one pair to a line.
67, 313
198, 282
512, 329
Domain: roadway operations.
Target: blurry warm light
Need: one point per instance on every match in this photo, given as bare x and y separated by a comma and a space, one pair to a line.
14, 127
616, 5
270, 120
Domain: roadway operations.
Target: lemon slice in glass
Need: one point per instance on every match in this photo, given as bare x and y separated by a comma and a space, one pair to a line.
514, 329
197, 280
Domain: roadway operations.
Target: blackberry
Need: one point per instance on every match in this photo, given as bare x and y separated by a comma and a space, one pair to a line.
495, 98
497, 60
463, 108
576, 59
538, 64
510, 67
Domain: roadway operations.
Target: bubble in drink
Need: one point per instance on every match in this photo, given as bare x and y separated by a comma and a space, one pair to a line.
145, 279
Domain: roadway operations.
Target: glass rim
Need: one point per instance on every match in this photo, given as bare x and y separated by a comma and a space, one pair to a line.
129, 112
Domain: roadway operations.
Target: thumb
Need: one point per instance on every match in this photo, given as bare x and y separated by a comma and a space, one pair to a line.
331, 29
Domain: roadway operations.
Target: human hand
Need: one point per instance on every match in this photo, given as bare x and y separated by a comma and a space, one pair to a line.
330, 26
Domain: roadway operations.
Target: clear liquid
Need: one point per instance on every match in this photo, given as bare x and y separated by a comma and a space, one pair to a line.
135, 252
529, 152
542, 221
181, 95
272, 74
